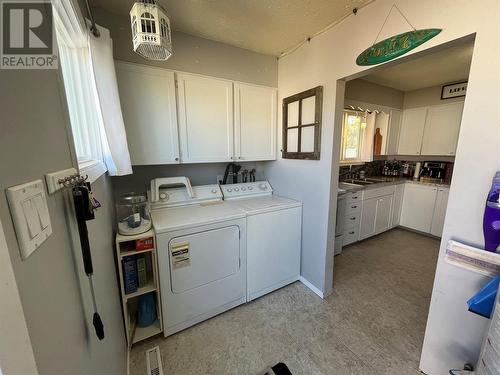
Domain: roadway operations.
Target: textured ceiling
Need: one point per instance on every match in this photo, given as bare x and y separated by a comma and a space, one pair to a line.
449, 65
265, 26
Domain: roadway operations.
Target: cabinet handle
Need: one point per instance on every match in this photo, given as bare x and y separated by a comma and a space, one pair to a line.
352, 232
354, 206
353, 218
239, 157
354, 197
176, 159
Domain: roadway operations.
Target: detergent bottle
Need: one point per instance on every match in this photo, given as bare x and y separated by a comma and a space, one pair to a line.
491, 221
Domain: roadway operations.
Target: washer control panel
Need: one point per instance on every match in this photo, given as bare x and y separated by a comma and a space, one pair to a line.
246, 189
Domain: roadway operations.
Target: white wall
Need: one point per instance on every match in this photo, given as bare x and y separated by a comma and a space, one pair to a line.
16, 353
453, 335
54, 293
194, 55
369, 92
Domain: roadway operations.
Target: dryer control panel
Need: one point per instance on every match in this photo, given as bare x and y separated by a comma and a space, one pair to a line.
246, 189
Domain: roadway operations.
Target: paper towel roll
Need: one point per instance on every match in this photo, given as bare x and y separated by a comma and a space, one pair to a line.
416, 175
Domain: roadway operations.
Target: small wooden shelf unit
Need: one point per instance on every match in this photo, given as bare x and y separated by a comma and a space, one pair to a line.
125, 247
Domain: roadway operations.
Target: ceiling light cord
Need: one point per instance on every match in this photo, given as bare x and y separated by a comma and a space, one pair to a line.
308, 39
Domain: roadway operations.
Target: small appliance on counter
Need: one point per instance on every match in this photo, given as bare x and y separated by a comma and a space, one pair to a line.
491, 220
433, 171
132, 211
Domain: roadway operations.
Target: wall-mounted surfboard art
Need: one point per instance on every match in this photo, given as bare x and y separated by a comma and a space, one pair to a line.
395, 46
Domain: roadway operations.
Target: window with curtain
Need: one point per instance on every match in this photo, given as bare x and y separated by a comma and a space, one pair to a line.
91, 92
357, 137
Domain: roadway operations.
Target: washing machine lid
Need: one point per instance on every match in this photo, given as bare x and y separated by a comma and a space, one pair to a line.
183, 217
257, 205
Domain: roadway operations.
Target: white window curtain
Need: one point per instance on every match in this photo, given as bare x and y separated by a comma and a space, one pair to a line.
368, 134
115, 149
91, 92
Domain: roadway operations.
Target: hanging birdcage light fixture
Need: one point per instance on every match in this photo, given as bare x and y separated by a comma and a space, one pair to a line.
151, 33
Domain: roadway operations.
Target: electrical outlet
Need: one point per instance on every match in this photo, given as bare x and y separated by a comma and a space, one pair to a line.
219, 179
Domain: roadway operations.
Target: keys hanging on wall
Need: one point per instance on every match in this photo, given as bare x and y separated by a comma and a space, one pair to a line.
85, 205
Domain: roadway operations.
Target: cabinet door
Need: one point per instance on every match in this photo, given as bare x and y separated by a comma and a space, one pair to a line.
368, 217
418, 207
383, 215
397, 203
412, 131
394, 131
205, 119
255, 122
441, 129
440, 212
147, 97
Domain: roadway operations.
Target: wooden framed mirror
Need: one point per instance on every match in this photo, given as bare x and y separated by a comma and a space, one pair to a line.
302, 124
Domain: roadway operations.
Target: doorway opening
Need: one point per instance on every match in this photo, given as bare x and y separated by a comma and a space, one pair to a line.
397, 139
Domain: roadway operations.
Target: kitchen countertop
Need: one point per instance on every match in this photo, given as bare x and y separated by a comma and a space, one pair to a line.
345, 187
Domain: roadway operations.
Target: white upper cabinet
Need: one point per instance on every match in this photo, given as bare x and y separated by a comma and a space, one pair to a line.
147, 97
205, 119
395, 118
441, 129
412, 131
255, 122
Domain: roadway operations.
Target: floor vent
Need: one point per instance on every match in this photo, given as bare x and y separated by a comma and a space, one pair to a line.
153, 360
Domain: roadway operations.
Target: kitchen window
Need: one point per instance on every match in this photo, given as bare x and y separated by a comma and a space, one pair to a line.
353, 127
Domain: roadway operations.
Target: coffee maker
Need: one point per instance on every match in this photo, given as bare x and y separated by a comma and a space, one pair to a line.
433, 171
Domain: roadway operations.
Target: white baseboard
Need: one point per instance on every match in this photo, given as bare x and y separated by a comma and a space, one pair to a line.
311, 286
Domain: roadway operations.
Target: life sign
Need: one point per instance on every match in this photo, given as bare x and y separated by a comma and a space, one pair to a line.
395, 46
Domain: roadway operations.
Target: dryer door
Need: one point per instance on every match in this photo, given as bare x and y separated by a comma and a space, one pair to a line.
203, 258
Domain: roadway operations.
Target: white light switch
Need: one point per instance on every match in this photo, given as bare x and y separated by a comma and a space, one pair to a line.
28, 207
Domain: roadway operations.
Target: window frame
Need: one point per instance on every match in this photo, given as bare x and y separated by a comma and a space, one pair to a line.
343, 159
317, 92
85, 132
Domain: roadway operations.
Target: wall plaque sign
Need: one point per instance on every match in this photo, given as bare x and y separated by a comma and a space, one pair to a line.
395, 46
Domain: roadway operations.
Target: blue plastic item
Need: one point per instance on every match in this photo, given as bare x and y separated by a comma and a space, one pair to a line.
482, 302
146, 310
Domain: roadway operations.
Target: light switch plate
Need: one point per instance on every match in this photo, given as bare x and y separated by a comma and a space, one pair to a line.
28, 207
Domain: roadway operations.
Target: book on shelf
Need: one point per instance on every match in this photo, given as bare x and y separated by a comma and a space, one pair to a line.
130, 278
142, 275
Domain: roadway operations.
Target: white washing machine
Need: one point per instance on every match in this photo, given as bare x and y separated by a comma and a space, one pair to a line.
201, 244
274, 229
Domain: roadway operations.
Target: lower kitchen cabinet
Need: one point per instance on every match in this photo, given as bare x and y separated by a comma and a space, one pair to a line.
415, 206
368, 215
383, 216
399, 191
418, 207
352, 217
376, 213
439, 211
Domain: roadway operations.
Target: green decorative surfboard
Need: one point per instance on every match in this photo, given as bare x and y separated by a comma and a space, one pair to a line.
395, 46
